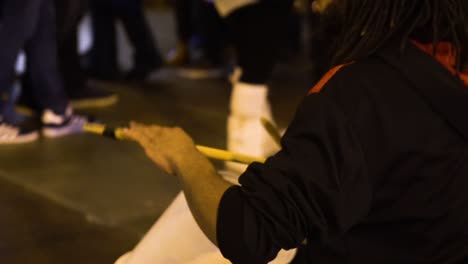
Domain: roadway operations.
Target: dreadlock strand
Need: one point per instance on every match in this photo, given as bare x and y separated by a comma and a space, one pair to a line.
370, 24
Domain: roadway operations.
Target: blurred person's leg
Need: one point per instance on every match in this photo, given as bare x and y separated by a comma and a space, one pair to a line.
81, 93
69, 13
258, 31
102, 63
212, 32
42, 62
146, 54
183, 12
46, 83
18, 22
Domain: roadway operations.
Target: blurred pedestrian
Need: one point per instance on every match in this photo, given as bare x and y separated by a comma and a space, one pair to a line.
103, 63
30, 25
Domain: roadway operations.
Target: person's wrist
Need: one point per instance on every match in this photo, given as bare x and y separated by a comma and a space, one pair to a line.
189, 161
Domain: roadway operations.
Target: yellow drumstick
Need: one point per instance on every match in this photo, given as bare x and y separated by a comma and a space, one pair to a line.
212, 153
225, 155
272, 130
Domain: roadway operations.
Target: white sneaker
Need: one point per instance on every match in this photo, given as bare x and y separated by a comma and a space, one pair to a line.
16, 134
55, 125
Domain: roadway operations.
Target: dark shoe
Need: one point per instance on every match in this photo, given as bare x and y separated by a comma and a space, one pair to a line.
57, 125
92, 97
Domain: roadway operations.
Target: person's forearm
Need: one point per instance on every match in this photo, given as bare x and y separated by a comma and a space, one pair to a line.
203, 188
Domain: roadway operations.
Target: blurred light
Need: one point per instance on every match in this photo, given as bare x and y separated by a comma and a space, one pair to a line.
85, 35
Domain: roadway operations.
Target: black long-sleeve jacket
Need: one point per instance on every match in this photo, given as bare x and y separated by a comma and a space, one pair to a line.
373, 169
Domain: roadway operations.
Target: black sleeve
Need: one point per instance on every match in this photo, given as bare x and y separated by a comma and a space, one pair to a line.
316, 187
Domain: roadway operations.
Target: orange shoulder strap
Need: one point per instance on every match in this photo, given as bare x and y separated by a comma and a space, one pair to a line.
326, 78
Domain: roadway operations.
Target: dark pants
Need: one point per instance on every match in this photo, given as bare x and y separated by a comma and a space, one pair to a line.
184, 11
199, 18
130, 12
30, 24
69, 14
258, 33
212, 30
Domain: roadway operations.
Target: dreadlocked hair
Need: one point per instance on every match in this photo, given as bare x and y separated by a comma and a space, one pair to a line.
369, 24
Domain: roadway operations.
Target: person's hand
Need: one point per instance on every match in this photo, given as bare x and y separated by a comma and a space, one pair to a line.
168, 147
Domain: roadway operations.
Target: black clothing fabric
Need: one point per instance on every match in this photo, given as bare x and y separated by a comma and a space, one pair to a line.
373, 169
258, 33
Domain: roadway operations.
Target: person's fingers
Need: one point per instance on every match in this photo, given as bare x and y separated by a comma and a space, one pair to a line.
145, 142
134, 124
147, 137
139, 131
130, 134
133, 127
135, 134
138, 135
160, 160
154, 154
137, 125
154, 132
148, 131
